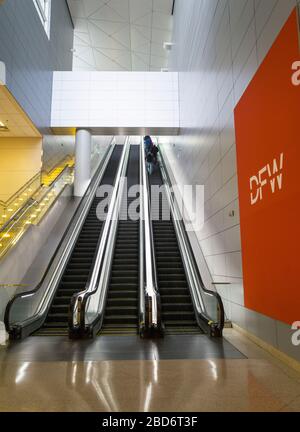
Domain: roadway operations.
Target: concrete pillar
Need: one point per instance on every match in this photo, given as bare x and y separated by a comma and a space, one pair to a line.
83, 149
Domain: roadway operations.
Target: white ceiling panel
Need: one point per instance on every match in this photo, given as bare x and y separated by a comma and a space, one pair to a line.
121, 34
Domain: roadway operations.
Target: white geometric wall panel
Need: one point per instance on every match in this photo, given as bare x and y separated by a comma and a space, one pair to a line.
116, 35
115, 102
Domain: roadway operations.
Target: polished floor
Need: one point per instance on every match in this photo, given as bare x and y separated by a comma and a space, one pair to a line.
178, 347
244, 379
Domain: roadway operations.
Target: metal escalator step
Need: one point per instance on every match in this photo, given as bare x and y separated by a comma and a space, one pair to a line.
57, 317
188, 330
172, 284
59, 309
121, 302
123, 286
171, 315
120, 279
61, 300
180, 323
125, 267
115, 294
171, 271
177, 307
55, 325
120, 311
117, 326
172, 277
171, 299
75, 285
120, 319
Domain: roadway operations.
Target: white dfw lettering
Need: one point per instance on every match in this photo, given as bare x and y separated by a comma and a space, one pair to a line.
296, 74
271, 175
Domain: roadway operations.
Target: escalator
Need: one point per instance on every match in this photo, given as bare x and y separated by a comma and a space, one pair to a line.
177, 308
121, 311
79, 265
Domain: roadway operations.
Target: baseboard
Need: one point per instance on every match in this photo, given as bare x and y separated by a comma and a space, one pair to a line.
279, 355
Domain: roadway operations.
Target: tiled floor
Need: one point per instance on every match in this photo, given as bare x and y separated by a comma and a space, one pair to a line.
210, 383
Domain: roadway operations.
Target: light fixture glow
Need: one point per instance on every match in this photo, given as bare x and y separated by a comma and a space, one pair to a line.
3, 127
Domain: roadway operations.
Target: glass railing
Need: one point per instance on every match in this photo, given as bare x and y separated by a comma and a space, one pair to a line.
32, 211
49, 177
10, 207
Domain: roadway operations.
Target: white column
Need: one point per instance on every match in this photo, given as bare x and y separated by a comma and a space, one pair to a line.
82, 161
2, 73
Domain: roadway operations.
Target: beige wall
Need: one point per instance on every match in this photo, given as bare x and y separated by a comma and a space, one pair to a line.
20, 160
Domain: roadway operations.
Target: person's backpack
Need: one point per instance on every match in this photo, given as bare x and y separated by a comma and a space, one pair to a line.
149, 158
155, 150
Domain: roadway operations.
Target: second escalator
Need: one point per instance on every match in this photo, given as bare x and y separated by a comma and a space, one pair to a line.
177, 308
121, 312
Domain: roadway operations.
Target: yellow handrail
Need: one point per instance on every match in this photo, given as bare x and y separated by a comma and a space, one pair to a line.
33, 211
9, 208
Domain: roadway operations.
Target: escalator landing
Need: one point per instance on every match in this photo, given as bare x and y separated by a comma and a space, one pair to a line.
176, 347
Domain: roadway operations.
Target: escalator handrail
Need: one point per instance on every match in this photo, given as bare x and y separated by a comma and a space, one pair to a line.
81, 210
79, 301
149, 294
193, 270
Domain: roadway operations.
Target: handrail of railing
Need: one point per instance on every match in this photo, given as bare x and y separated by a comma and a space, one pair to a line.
66, 158
21, 190
30, 181
31, 202
151, 321
66, 244
195, 281
99, 277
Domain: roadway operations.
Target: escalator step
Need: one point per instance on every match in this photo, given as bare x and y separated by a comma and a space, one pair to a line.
171, 315
177, 307
116, 294
120, 319
120, 311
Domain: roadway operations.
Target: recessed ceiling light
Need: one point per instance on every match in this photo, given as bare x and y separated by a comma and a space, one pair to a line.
168, 46
3, 127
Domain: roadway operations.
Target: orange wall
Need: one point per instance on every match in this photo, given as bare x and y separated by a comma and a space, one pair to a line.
20, 160
267, 128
